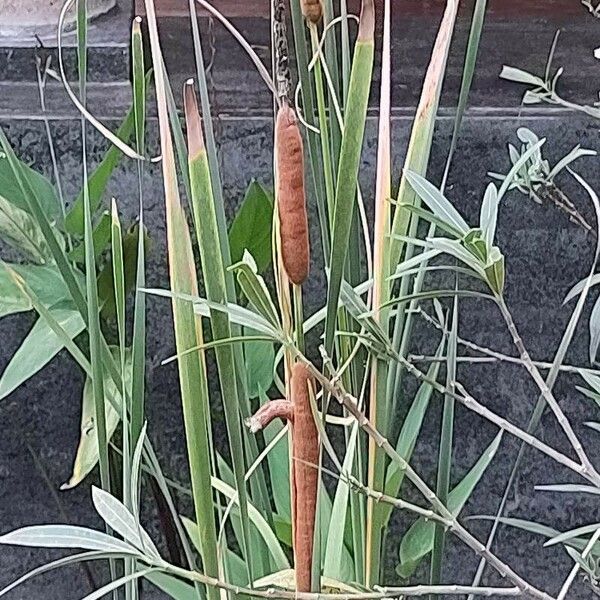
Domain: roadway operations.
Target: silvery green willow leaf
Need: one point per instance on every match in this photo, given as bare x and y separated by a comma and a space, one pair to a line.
456, 249
120, 520
520, 76
415, 261
66, 536
432, 218
436, 201
525, 156
237, 314
489, 214
576, 153
60, 562
573, 533
579, 287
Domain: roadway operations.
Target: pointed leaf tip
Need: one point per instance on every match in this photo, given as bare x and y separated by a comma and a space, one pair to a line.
192, 119
366, 27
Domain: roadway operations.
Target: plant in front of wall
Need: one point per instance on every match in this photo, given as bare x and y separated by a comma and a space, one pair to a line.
304, 480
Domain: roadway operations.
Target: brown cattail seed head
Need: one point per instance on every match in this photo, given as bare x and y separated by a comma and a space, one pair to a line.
312, 10
291, 200
306, 476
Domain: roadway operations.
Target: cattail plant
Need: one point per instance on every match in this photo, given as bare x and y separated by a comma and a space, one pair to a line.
312, 10
305, 459
291, 198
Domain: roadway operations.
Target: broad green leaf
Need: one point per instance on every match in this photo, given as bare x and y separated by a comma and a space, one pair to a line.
39, 347
251, 229
436, 201
418, 540
20, 230
279, 467
87, 451
66, 536
259, 522
45, 282
119, 519
11, 190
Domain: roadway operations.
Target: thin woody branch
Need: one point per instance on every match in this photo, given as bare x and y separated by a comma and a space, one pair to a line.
350, 403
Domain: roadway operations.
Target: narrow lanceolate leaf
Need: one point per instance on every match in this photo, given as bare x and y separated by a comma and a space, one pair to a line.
66, 536
213, 270
354, 126
138, 347
98, 180
188, 332
445, 452
381, 286
418, 540
120, 520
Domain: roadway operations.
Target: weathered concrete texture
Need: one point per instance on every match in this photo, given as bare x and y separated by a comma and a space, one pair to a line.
546, 254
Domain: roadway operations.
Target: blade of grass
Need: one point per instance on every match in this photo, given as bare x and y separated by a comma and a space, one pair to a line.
445, 452
345, 194
119, 286
376, 464
139, 311
188, 332
467, 78
213, 269
93, 315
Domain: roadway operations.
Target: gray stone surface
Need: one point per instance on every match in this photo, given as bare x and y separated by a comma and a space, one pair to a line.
546, 255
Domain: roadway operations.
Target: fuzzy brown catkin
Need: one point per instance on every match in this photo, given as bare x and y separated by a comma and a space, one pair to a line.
306, 476
291, 199
312, 10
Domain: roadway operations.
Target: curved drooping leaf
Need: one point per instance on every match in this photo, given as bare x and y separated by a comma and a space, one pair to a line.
39, 347
87, 451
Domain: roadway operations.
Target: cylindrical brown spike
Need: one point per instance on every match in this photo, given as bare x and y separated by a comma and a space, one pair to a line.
291, 199
312, 10
306, 475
